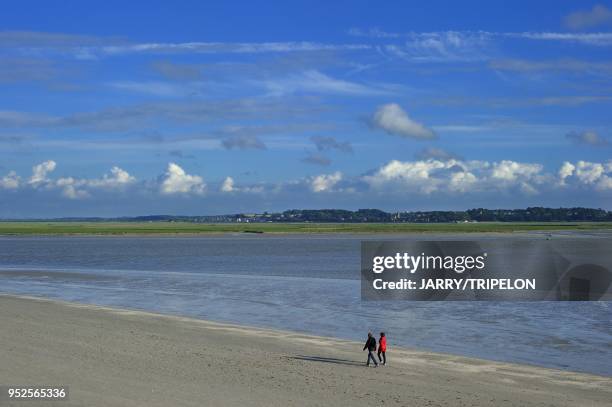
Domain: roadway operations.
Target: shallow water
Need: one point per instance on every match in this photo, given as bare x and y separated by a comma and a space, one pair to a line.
302, 283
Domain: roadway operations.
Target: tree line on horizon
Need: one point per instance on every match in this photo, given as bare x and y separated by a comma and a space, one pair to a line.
531, 214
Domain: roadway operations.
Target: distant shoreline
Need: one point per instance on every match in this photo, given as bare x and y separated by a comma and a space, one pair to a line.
199, 229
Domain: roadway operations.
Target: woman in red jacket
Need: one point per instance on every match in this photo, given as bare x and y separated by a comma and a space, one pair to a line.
382, 348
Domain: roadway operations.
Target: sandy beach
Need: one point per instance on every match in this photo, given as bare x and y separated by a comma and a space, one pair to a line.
113, 357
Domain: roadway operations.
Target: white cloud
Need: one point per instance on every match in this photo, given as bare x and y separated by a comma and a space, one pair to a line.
585, 173
117, 178
462, 181
10, 181
77, 188
227, 185
325, 182
70, 187
566, 170
40, 171
415, 174
507, 170
588, 172
456, 176
598, 15
177, 181
420, 177
515, 173
407, 170
394, 120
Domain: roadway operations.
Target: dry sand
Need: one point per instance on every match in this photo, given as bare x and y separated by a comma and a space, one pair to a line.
113, 357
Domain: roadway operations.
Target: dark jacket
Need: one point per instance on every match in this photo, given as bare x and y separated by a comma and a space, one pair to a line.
370, 344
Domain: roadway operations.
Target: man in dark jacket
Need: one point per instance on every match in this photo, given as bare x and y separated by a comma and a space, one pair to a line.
370, 345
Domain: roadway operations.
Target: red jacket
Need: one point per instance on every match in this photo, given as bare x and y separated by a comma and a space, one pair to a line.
382, 344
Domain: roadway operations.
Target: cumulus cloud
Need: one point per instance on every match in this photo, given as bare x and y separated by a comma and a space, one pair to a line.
177, 181
425, 177
244, 142
589, 174
521, 174
40, 171
507, 170
79, 188
566, 170
70, 188
10, 181
229, 185
394, 120
416, 174
462, 181
325, 182
117, 178
429, 176
582, 19
590, 138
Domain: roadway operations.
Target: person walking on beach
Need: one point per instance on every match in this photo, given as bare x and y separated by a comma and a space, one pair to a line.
370, 345
382, 348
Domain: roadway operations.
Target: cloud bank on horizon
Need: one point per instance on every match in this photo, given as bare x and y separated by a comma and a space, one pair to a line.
115, 119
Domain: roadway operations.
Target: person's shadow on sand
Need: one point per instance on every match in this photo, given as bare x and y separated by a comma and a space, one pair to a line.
327, 360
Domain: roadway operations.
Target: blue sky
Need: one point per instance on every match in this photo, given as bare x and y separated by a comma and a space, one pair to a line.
151, 107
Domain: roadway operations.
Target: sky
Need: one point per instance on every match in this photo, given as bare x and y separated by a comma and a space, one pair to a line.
198, 108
